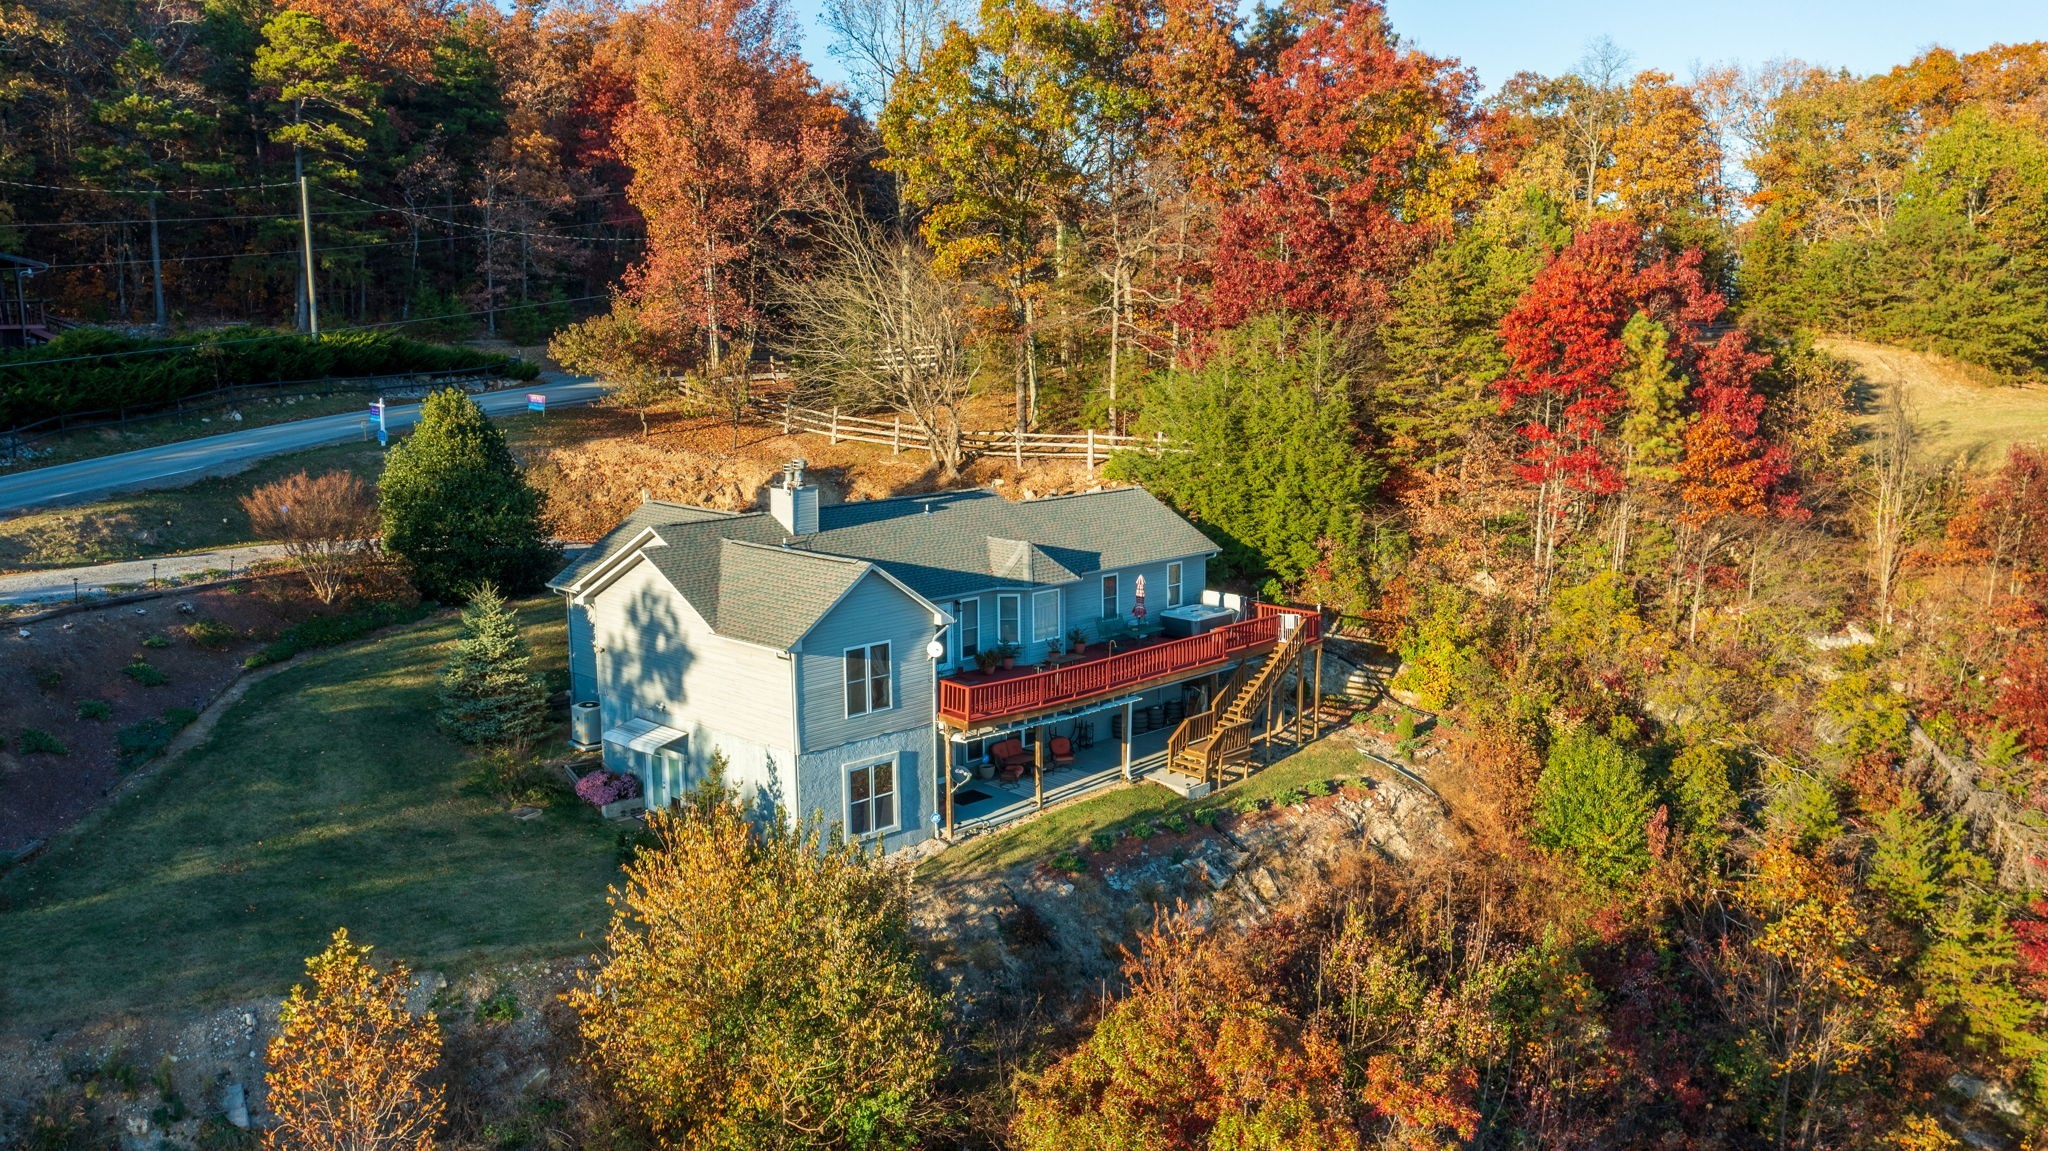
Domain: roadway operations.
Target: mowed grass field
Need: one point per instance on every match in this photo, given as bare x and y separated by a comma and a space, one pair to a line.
1959, 413
325, 797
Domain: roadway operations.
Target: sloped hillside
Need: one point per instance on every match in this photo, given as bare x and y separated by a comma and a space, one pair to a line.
1959, 411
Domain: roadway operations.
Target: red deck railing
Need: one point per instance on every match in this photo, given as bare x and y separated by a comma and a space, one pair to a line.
971, 699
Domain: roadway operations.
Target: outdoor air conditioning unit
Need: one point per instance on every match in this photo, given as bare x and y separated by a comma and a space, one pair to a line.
586, 726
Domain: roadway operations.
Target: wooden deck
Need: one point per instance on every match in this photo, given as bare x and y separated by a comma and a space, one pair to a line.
975, 698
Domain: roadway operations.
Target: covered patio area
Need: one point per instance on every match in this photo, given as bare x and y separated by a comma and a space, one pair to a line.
980, 804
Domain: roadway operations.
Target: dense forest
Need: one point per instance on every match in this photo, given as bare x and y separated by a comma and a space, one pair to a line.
1745, 691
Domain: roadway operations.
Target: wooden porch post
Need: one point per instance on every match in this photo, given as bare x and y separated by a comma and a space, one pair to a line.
1300, 697
946, 770
1267, 731
1319, 689
1038, 765
1127, 740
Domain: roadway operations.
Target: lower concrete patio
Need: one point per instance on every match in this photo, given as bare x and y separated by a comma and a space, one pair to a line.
982, 804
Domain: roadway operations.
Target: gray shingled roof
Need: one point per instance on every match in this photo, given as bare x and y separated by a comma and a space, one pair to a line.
650, 513
1025, 562
761, 593
940, 546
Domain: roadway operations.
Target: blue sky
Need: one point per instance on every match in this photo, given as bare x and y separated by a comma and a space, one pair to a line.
1499, 37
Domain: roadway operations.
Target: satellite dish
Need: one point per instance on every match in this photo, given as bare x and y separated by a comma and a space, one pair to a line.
935, 650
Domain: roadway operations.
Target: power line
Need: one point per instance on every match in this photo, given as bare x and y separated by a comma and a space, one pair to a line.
497, 231
142, 191
174, 348
294, 251
228, 255
189, 219
294, 215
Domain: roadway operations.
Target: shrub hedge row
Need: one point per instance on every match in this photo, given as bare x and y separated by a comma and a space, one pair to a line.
327, 631
46, 381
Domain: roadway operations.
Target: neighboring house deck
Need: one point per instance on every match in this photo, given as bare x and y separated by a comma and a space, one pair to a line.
864, 663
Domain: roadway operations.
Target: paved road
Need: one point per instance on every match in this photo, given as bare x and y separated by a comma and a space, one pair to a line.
55, 584
173, 465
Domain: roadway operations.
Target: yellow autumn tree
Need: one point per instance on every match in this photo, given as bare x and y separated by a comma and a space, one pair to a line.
1666, 159
759, 991
349, 1064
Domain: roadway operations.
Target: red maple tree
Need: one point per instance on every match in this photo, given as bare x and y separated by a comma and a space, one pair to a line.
1358, 142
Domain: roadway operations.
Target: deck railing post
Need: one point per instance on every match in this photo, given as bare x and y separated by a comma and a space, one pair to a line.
1128, 736
1038, 765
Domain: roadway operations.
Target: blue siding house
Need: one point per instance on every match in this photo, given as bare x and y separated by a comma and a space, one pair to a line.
847, 659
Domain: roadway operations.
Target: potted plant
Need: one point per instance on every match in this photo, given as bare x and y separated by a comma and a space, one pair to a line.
1077, 641
1008, 652
987, 658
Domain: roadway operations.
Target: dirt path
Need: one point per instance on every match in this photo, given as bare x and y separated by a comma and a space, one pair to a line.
1958, 416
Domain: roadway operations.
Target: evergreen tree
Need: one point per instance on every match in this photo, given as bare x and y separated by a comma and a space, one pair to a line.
1272, 471
455, 507
1929, 879
1703, 788
1593, 804
487, 693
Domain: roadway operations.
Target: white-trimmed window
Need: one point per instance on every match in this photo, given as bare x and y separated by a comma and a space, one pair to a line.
1173, 584
1045, 616
871, 798
1009, 627
1112, 606
867, 679
967, 625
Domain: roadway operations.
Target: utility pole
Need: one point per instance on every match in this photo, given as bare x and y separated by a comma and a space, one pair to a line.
306, 232
156, 270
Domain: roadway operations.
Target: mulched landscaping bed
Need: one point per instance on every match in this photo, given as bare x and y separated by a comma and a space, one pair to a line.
85, 656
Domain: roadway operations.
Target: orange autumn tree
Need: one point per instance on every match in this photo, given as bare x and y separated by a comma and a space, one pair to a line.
759, 990
349, 1064
1198, 1055
727, 135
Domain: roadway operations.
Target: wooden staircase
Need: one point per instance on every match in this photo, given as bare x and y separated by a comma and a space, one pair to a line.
1204, 747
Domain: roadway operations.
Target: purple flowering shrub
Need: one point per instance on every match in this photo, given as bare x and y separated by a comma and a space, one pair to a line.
601, 787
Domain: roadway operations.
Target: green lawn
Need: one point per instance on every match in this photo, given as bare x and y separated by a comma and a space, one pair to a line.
324, 797
196, 517
1068, 828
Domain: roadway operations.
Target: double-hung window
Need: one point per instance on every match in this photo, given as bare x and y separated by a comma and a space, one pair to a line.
871, 798
967, 621
1173, 584
1045, 616
1009, 629
867, 679
1112, 608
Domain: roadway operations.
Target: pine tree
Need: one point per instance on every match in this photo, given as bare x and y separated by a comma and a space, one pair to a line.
1593, 803
456, 508
487, 694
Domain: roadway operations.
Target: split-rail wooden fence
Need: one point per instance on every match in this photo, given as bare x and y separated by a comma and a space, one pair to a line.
899, 435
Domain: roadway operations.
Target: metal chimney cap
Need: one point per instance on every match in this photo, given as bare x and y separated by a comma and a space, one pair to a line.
793, 473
